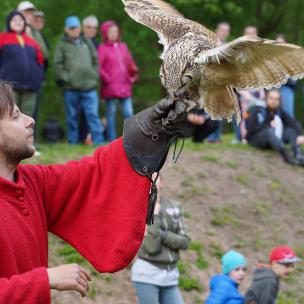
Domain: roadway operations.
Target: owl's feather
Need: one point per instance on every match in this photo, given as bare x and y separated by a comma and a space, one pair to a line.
165, 20
221, 102
254, 63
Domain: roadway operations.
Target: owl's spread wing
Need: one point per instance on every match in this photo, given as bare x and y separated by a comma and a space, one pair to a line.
165, 20
252, 62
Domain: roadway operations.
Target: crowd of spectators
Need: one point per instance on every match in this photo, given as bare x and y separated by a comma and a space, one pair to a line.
82, 65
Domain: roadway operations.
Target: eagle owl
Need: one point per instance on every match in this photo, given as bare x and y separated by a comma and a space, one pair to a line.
195, 62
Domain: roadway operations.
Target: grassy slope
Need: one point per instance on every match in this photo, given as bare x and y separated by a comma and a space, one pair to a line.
233, 196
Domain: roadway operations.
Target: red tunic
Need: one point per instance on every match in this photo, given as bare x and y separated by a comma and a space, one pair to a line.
97, 204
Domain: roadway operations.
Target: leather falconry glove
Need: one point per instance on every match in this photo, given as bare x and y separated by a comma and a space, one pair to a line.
148, 136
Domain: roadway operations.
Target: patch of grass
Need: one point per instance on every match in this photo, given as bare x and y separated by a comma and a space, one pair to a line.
92, 291
232, 164
108, 278
243, 180
182, 267
187, 215
216, 250
223, 216
200, 262
197, 191
258, 241
71, 255
190, 283
186, 182
275, 184
287, 297
210, 158
261, 207
196, 246
260, 173
66, 250
201, 175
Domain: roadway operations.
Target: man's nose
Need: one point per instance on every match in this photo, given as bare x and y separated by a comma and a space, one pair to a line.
30, 121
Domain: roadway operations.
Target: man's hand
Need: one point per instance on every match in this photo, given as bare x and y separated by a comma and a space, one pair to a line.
149, 134
196, 119
300, 140
69, 277
273, 124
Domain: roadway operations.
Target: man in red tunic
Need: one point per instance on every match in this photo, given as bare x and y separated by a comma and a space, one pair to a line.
98, 204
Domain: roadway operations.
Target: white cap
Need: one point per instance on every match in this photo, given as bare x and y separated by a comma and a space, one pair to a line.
26, 5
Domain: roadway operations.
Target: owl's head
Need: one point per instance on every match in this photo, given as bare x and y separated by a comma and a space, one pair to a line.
178, 74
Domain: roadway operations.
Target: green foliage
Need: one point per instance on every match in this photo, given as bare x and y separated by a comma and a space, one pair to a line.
189, 283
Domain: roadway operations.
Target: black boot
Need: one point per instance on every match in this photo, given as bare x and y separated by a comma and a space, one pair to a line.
288, 158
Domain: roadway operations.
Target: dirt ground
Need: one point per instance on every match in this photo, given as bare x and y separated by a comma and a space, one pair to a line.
231, 198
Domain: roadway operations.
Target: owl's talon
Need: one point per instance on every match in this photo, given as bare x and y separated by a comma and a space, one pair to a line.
192, 104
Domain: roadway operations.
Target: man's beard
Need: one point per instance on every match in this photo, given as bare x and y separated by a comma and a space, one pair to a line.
14, 152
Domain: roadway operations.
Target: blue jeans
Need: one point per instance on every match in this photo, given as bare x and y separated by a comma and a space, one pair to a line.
152, 294
127, 111
88, 102
288, 99
236, 129
216, 135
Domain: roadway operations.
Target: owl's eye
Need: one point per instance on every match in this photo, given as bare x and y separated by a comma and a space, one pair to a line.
186, 79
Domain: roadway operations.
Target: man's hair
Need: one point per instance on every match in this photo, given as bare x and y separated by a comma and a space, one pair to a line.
90, 20
222, 23
251, 26
274, 90
7, 99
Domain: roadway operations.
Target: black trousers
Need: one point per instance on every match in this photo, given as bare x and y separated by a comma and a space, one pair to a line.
201, 132
267, 139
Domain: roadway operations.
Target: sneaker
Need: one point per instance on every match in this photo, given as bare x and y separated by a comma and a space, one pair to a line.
235, 141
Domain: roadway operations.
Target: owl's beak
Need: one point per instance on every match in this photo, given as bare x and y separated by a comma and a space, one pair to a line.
179, 92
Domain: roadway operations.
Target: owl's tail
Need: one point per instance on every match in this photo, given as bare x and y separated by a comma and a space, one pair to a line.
221, 102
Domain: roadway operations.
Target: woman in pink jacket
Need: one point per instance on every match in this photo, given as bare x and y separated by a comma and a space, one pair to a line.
117, 72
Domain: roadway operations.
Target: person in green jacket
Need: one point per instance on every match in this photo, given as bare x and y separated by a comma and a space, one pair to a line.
76, 71
154, 272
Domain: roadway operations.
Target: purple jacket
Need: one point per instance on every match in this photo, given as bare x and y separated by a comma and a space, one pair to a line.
117, 68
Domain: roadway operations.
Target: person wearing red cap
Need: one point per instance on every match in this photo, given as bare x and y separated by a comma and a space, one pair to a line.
99, 204
266, 280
